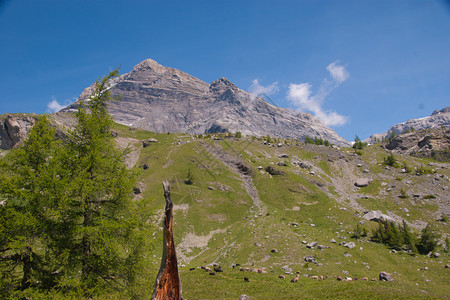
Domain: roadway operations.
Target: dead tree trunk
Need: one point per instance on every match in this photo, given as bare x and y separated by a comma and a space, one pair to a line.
168, 284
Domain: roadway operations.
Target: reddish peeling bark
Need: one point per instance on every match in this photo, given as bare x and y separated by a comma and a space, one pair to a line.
168, 284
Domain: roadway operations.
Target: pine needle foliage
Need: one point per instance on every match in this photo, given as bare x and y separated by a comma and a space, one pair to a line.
68, 222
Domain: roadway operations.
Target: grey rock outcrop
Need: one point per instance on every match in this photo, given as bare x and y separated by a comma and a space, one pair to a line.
377, 215
437, 119
429, 142
14, 130
161, 99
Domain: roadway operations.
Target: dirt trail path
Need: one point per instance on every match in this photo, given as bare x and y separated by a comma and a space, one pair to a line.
238, 167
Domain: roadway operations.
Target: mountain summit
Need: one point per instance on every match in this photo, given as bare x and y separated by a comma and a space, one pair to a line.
162, 99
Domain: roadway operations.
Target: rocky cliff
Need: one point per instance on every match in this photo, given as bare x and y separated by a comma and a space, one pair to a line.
437, 119
14, 129
162, 99
426, 142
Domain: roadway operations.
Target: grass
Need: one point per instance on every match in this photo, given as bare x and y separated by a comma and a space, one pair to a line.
246, 237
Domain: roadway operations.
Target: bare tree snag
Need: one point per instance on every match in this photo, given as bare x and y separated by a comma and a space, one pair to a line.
168, 284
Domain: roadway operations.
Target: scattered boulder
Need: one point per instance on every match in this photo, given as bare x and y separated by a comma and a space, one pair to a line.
362, 182
385, 276
350, 245
244, 296
377, 215
311, 245
304, 165
310, 258
272, 171
321, 247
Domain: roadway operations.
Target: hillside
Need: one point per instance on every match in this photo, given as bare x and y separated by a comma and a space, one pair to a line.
162, 99
235, 212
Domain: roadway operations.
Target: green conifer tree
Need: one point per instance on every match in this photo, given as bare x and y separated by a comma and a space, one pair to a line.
28, 184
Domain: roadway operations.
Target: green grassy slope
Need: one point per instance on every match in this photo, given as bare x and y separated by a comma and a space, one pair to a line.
216, 223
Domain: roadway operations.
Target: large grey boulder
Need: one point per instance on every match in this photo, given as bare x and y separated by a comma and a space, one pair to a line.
377, 215
362, 182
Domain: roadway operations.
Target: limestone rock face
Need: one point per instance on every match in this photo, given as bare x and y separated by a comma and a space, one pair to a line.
14, 130
437, 119
162, 99
421, 143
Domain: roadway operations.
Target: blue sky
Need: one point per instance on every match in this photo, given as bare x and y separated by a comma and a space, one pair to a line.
360, 65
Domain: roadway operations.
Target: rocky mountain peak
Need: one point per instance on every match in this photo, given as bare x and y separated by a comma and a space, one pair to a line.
222, 84
149, 64
442, 111
163, 99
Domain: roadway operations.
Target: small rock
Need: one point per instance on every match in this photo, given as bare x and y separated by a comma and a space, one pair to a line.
385, 276
436, 254
311, 245
321, 247
350, 245
310, 258
274, 250
332, 241
244, 296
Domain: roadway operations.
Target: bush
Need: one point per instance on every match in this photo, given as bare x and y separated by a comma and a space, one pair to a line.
359, 232
190, 178
391, 161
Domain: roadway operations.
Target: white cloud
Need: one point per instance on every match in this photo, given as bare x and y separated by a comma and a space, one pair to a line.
339, 73
54, 106
302, 98
257, 90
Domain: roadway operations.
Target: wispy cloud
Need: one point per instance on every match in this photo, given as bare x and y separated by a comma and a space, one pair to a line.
339, 73
302, 98
54, 106
257, 89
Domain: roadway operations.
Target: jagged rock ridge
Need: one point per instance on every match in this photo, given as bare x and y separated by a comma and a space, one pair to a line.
437, 119
162, 99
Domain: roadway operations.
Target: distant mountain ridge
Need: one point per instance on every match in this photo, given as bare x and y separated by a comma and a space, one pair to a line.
162, 99
437, 119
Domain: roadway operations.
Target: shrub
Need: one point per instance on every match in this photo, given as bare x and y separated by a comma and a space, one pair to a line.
391, 161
